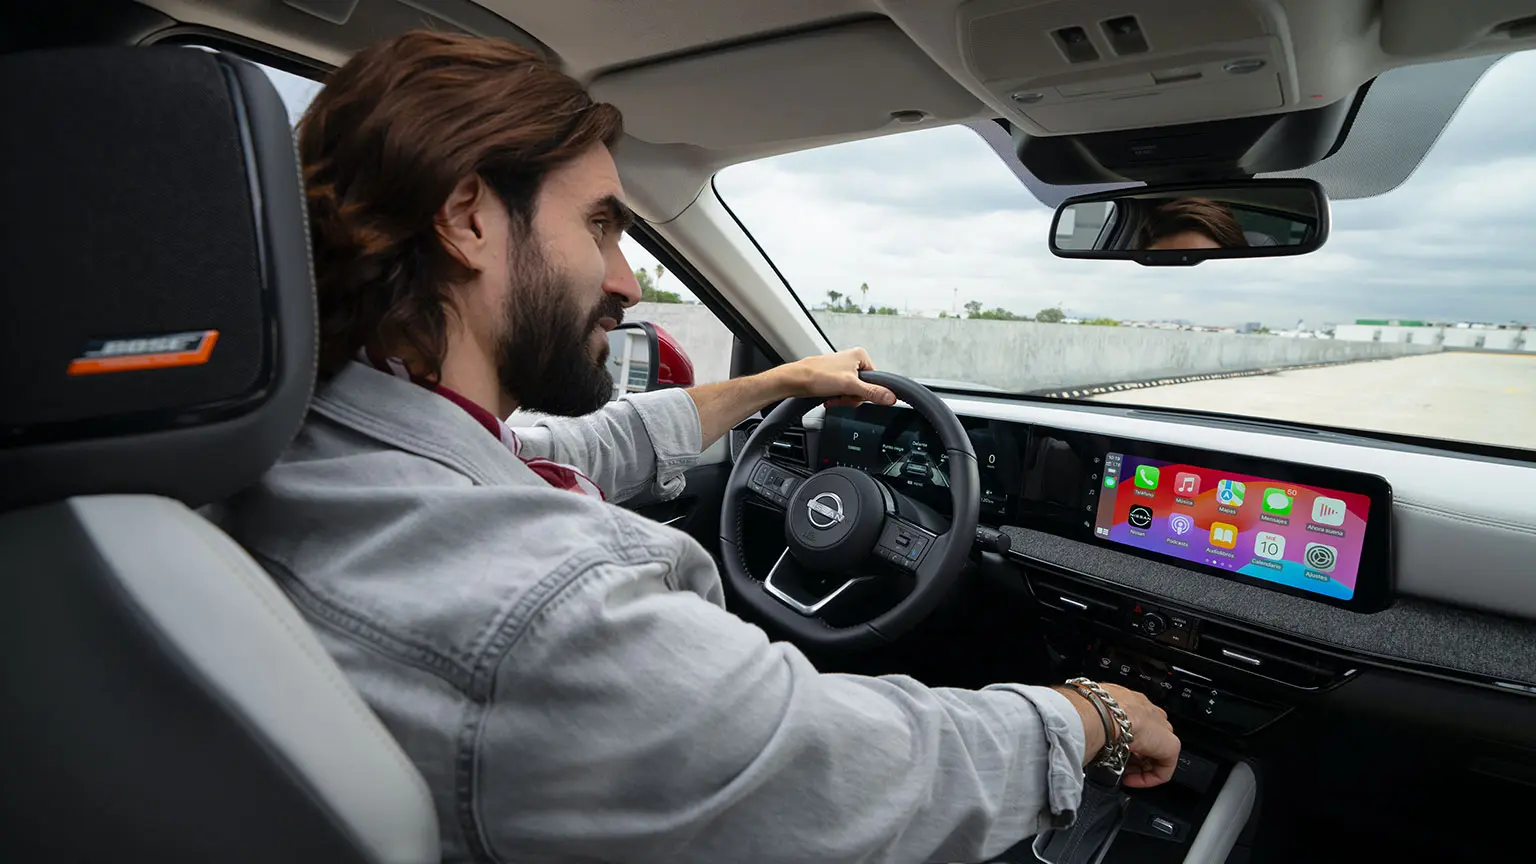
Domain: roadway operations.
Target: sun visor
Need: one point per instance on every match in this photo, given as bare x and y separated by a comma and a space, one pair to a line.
1425, 28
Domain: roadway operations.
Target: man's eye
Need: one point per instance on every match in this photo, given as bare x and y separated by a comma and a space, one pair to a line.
600, 228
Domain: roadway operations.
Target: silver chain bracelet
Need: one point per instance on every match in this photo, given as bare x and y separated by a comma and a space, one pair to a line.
1117, 750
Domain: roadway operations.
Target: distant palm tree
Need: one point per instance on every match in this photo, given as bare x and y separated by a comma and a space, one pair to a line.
834, 298
864, 292
660, 272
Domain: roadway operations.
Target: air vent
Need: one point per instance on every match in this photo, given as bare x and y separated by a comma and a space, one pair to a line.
1271, 658
739, 435
789, 448
1076, 598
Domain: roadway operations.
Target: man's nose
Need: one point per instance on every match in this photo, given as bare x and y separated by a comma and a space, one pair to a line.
620, 279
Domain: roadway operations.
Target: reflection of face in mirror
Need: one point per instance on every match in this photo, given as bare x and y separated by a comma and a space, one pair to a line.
1191, 223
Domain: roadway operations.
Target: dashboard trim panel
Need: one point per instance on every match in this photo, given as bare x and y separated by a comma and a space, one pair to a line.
1414, 636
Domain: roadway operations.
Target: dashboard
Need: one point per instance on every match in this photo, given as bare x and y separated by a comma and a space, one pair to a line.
1306, 530
1441, 581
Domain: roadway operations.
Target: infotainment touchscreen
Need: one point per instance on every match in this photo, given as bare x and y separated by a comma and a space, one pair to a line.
1307, 537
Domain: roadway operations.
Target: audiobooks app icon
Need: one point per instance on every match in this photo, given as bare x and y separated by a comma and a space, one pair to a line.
1328, 511
1223, 535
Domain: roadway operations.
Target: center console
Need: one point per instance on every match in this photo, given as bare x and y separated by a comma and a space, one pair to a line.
1220, 683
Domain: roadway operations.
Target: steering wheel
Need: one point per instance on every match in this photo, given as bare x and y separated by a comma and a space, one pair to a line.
843, 527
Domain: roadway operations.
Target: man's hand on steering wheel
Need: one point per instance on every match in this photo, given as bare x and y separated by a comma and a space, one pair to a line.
834, 377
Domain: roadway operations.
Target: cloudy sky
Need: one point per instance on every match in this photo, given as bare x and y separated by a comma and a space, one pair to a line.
934, 219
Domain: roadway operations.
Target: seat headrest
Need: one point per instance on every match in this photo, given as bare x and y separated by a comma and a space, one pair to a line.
1257, 238
157, 322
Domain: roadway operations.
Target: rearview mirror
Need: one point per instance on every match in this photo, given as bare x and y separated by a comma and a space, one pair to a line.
1180, 225
643, 357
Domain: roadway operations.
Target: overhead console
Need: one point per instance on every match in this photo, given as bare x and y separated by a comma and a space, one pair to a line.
1317, 533
1082, 66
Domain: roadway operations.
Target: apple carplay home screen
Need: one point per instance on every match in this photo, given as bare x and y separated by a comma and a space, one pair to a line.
1305, 537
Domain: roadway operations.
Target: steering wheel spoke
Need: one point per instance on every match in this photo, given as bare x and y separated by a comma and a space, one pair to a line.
774, 484
806, 593
906, 545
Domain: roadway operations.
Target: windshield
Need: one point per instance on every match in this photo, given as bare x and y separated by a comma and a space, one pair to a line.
927, 249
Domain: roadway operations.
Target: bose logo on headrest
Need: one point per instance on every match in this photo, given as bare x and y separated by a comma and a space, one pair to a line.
150, 352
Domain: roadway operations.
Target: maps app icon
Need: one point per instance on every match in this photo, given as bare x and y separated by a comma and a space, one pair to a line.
1230, 493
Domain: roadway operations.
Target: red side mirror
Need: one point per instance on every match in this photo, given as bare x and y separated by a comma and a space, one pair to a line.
674, 369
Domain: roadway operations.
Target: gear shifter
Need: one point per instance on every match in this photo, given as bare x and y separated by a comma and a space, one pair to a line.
1099, 818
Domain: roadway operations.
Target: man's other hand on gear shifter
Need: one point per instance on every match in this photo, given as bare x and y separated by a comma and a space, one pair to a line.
1155, 750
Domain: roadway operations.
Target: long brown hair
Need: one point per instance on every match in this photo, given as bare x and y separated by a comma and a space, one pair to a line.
1199, 215
383, 145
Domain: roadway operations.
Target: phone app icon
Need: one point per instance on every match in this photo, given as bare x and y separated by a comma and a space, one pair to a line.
1146, 476
1180, 524
1276, 502
1140, 517
1230, 493
1267, 545
1321, 557
1186, 484
1223, 535
1328, 511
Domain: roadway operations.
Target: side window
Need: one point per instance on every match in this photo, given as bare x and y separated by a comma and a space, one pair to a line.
667, 303
295, 90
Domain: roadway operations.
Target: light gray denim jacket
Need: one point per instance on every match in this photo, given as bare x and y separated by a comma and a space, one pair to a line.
565, 674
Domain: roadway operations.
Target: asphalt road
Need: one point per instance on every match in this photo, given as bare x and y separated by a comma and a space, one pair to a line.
1489, 398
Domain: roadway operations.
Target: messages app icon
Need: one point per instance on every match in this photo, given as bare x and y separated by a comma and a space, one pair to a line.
1146, 476
1276, 502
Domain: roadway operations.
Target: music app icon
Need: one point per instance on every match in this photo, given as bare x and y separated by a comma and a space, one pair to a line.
1186, 484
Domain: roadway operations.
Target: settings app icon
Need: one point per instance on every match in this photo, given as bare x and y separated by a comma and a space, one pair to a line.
1321, 557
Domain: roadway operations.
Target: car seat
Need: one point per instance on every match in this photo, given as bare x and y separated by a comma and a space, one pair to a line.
163, 700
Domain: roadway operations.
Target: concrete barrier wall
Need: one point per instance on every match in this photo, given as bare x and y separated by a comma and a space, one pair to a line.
1473, 338
1022, 356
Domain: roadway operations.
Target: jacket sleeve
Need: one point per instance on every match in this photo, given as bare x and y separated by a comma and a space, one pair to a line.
665, 729
642, 442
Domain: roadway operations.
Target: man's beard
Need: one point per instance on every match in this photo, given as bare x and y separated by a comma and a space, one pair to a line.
545, 357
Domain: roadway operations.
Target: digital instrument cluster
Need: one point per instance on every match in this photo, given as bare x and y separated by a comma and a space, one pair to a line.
898, 445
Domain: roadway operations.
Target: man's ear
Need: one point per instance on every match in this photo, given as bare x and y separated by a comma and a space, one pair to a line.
461, 221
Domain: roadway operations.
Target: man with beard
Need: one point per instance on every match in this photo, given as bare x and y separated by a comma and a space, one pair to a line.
562, 671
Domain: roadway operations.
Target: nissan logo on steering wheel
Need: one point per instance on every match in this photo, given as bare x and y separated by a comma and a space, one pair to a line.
825, 510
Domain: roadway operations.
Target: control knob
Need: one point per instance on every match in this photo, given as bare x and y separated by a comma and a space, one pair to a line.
1153, 624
